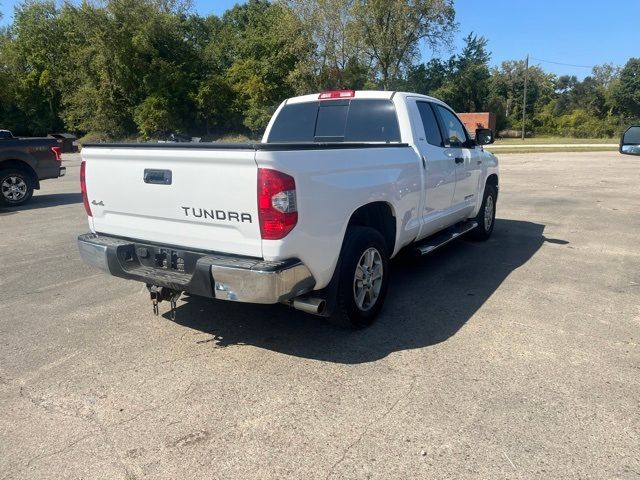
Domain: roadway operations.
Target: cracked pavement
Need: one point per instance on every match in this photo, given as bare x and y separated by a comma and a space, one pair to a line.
514, 358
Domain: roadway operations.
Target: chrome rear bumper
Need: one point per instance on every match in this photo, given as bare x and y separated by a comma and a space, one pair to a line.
224, 277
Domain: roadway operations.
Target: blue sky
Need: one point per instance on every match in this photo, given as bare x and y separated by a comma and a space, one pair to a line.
576, 32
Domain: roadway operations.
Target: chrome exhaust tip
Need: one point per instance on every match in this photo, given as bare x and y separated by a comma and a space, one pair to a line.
315, 306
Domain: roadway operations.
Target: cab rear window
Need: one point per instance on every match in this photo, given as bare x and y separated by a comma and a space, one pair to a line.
336, 121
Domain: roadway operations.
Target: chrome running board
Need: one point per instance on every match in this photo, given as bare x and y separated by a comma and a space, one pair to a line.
434, 242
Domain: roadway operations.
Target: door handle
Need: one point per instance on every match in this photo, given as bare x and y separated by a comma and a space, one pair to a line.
424, 162
459, 160
158, 177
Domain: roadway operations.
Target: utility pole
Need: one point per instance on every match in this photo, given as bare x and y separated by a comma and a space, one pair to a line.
524, 96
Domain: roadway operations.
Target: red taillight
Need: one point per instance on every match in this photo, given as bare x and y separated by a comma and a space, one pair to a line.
333, 94
57, 152
277, 204
83, 189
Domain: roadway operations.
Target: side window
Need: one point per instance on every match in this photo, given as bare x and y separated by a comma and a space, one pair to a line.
431, 129
454, 132
295, 123
372, 121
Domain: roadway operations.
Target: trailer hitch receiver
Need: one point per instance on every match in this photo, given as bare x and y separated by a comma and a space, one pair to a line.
158, 294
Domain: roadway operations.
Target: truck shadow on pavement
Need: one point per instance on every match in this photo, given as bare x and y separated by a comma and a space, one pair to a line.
429, 300
44, 201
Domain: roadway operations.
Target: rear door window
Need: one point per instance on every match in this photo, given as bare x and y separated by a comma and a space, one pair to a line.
336, 121
431, 128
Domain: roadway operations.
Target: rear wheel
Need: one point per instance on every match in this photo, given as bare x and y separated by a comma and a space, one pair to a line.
486, 216
363, 279
16, 187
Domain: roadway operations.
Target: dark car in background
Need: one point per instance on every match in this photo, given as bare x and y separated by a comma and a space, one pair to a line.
24, 163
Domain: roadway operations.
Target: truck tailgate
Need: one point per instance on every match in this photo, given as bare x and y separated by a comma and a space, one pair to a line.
199, 198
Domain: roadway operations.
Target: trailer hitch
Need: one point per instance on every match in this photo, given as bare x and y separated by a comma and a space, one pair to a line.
158, 294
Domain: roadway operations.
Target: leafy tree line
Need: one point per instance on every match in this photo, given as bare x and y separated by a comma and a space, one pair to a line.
598, 106
129, 68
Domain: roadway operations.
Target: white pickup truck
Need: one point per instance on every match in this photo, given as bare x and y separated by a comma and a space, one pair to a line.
341, 182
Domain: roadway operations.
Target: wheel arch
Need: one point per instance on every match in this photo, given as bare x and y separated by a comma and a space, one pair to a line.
492, 180
22, 166
380, 216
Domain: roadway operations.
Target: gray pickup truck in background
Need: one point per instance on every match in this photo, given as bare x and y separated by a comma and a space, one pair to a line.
24, 163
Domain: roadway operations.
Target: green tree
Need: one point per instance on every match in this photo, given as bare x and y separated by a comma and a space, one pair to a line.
339, 58
154, 117
467, 85
214, 99
30, 53
214, 95
266, 43
507, 88
124, 53
8, 113
426, 78
462, 81
626, 91
392, 31
605, 74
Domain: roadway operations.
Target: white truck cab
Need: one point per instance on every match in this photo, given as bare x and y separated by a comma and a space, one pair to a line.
341, 182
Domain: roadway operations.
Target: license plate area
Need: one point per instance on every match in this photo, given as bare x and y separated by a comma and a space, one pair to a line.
164, 258
135, 255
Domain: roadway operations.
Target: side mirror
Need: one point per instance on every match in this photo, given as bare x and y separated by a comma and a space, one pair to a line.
630, 141
484, 136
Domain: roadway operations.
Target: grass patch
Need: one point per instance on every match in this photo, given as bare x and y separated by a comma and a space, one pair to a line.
553, 140
595, 148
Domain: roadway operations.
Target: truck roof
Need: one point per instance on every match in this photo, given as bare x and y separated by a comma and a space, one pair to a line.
361, 94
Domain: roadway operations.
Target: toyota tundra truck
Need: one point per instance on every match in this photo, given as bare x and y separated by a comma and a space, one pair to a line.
341, 182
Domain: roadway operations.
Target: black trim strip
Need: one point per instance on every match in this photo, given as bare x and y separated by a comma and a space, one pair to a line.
181, 145
249, 146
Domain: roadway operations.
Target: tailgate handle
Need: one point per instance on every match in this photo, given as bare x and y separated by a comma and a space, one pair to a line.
159, 177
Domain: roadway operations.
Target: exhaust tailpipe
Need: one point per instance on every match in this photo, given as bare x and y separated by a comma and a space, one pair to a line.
311, 305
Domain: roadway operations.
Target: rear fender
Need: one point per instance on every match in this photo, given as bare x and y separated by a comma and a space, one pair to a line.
24, 162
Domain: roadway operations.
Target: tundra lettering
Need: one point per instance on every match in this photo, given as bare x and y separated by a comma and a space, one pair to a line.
216, 214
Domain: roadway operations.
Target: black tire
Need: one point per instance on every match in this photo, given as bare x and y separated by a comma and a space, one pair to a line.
353, 310
16, 187
484, 229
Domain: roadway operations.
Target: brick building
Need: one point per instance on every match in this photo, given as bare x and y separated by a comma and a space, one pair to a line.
478, 120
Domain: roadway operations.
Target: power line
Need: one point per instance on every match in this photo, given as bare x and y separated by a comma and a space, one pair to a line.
560, 63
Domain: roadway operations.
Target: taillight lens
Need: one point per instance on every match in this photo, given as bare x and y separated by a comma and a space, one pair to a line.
277, 204
83, 189
57, 153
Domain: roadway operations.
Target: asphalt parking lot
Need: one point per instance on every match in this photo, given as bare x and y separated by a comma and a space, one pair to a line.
514, 358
